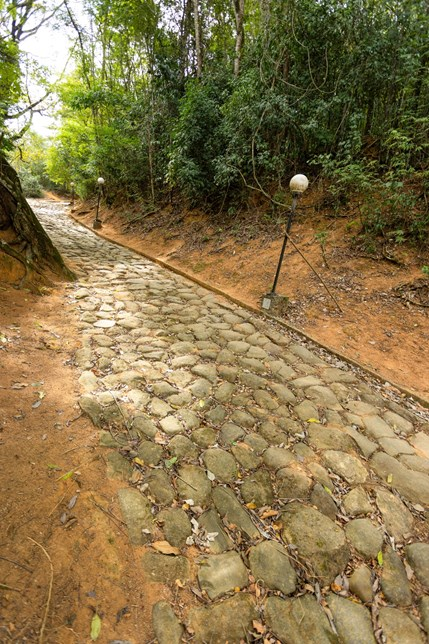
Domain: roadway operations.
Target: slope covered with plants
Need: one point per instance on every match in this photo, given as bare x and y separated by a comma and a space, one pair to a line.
209, 101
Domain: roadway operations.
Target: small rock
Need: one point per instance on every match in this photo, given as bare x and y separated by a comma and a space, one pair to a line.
377, 428
321, 475
277, 457
293, 484
421, 443
414, 486
366, 446
160, 487
171, 425
182, 447
324, 437
118, 467
396, 446
221, 464
246, 457
212, 524
323, 501
204, 437
150, 453
90, 406
143, 425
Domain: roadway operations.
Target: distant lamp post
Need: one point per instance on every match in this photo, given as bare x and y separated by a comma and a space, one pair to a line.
72, 193
298, 185
97, 223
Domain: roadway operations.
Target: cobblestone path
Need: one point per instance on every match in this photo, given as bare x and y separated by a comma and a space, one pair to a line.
280, 486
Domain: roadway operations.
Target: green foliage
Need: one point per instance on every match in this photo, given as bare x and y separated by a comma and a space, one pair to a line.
30, 183
196, 139
340, 89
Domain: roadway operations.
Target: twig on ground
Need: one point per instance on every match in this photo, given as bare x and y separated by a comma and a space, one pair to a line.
16, 563
6, 587
51, 582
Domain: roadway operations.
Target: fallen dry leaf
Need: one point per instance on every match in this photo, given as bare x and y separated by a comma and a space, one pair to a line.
258, 627
165, 548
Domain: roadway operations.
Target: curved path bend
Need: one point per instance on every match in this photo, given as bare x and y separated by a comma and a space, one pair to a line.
288, 494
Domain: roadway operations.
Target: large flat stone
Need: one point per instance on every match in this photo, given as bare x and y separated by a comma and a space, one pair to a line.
413, 485
192, 483
270, 563
397, 518
318, 539
212, 524
365, 537
299, 621
398, 628
325, 437
228, 621
230, 508
345, 465
418, 557
136, 510
167, 627
352, 621
221, 464
220, 574
165, 568
394, 581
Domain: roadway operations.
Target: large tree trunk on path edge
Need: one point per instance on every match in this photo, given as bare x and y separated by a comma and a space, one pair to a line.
22, 238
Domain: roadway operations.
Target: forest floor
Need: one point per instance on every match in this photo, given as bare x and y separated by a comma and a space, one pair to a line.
383, 294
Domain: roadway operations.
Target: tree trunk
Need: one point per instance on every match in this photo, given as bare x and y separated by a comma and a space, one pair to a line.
198, 44
23, 241
239, 38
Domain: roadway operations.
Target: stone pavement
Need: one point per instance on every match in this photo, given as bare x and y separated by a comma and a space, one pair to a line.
278, 484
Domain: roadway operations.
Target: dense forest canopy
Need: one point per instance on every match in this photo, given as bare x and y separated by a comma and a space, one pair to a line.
212, 100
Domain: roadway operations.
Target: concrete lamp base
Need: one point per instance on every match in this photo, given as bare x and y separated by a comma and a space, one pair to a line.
275, 304
96, 224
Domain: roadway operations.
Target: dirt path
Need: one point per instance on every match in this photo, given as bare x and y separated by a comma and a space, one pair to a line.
253, 483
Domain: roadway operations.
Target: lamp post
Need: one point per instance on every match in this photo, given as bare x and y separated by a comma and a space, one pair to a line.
72, 193
298, 184
97, 223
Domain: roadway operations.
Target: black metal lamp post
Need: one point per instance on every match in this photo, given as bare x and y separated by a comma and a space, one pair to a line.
72, 193
97, 223
298, 184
